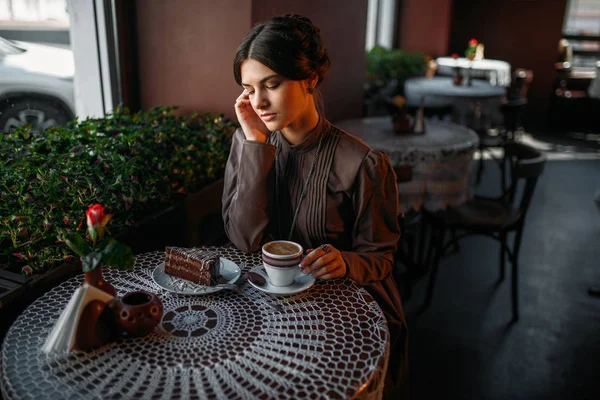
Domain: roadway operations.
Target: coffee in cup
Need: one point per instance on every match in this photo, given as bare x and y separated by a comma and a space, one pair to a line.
282, 248
281, 259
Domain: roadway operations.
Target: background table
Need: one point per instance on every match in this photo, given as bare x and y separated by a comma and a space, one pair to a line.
470, 102
328, 342
440, 159
496, 72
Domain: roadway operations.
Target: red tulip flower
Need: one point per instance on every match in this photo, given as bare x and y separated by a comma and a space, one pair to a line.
103, 251
473, 42
96, 221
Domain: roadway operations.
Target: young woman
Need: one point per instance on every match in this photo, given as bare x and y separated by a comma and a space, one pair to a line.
292, 175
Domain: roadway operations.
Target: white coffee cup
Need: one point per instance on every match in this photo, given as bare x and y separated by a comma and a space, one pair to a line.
281, 259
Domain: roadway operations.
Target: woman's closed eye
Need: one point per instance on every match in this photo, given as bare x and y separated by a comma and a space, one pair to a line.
269, 87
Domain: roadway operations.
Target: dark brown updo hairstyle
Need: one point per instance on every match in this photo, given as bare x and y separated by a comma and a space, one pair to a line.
289, 45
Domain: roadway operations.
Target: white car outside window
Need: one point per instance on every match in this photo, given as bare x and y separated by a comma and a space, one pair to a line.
36, 85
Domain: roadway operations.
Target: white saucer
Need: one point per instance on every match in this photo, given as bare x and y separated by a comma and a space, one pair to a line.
228, 270
301, 283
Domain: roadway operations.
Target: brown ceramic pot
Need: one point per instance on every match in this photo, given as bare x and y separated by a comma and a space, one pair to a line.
95, 278
137, 313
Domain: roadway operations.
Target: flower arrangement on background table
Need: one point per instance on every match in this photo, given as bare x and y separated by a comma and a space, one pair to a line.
470, 53
471, 49
397, 108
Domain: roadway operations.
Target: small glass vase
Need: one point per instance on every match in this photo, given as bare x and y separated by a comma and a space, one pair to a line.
95, 278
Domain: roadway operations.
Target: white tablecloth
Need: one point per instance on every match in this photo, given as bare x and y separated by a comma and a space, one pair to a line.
440, 158
330, 341
495, 71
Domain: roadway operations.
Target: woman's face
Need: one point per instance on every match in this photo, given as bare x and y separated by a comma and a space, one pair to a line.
282, 104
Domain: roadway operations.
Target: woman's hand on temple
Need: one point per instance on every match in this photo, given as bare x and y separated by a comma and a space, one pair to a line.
254, 128
325, 262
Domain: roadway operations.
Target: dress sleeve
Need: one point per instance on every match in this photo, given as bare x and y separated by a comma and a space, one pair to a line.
247, 192
376, 231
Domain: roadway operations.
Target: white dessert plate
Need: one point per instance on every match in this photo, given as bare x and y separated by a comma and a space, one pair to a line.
228, 270
301, 283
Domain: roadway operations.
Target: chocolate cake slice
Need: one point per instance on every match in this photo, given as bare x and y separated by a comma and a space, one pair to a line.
195, 265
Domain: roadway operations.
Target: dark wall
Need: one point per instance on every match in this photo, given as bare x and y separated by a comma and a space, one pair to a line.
185, 53
186, 50
524, 33
425, 26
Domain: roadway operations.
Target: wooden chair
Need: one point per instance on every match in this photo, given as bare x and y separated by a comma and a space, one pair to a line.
493, 217
512, 109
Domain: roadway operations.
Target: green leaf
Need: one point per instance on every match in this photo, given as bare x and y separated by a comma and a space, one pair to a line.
105, 242
78, 244
118, 255
90, 261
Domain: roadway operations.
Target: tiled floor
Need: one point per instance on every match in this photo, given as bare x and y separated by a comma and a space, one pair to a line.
464, 347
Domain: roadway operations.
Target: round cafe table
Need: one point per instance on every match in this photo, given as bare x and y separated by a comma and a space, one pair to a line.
496, 72
441, 91
330, 341
440, 159
480, 98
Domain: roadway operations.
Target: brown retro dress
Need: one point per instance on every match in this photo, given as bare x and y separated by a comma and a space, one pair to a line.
351, 203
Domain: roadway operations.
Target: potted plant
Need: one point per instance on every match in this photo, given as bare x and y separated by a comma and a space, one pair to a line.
140, 163
387, 70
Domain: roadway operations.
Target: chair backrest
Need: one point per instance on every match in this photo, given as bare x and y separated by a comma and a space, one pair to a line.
525, 165
204, 218
527, 76
512, 114
519, 86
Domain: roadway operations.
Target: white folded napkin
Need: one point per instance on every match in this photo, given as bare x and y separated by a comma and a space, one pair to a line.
62, 337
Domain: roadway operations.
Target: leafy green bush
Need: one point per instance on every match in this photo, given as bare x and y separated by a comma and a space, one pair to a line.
133, 164
385, 65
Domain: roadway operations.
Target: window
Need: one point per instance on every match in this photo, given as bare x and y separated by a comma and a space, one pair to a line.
50, 12
380, 24
36, 64
41, 48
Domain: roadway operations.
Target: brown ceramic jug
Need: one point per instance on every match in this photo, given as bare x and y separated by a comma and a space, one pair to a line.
137, 313
95, 278
96, 326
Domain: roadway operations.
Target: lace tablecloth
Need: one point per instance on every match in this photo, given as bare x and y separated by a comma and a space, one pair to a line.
440, 158
494, 71
330, 341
